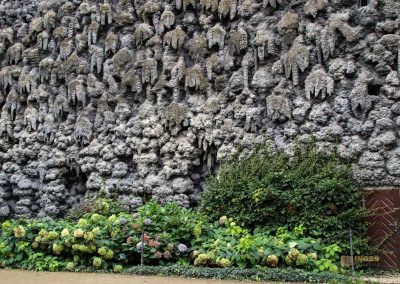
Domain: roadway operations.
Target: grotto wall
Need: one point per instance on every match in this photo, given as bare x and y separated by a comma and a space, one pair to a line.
141, 98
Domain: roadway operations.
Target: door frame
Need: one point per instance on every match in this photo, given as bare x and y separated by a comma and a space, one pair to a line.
395, 228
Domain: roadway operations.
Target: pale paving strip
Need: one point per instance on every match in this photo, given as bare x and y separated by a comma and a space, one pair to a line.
32, 277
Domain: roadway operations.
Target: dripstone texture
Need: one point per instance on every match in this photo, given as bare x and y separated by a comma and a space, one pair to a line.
142, 98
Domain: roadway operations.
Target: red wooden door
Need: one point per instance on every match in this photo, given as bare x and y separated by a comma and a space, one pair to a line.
384, 225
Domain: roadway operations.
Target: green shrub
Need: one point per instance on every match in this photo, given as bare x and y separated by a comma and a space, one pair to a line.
266, 189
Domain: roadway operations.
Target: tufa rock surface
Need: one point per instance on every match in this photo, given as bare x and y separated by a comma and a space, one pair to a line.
141, 98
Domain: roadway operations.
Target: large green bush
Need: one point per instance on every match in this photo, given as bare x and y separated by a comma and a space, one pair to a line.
271, 190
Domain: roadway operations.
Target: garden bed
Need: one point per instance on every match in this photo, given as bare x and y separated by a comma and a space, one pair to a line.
158, 236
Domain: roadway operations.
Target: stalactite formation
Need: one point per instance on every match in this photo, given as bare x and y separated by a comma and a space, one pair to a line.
139, 98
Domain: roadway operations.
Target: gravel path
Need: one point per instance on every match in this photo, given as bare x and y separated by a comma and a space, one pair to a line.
384, 279
32, 277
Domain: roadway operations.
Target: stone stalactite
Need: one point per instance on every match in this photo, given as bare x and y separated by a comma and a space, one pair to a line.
318, 83
296, 58
144, 97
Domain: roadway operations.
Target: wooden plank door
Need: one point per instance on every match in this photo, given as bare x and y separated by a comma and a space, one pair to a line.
384, 225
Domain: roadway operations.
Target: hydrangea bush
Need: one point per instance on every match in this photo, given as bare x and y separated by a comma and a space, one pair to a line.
225, 243
99, 239
160, 235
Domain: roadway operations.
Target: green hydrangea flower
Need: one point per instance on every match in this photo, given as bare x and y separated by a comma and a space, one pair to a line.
97, 262
117, 268
204, 259
57, 248
103, 207
195, 253
64, 233
43, 233
82, 222
92, 248
224, 262
112, 218
78, 233
83, 248
197, 230
288, 261
75, 247
102, 251
88, 236
53, 235
70, 266
302, 260
109, 254
312, 255
95, 218
19, 232
223, 220
293, 254
201, 259
6, 225
272, 261
170, 247
96, 231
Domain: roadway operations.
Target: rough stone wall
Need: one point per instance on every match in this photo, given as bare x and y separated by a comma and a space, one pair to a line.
142, 98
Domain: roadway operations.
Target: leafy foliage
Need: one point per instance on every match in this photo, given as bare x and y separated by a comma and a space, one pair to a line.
100, 239
266, 189
225, 243
101, 206
160, 235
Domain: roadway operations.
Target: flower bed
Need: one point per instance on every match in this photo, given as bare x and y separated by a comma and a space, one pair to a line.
156, 235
